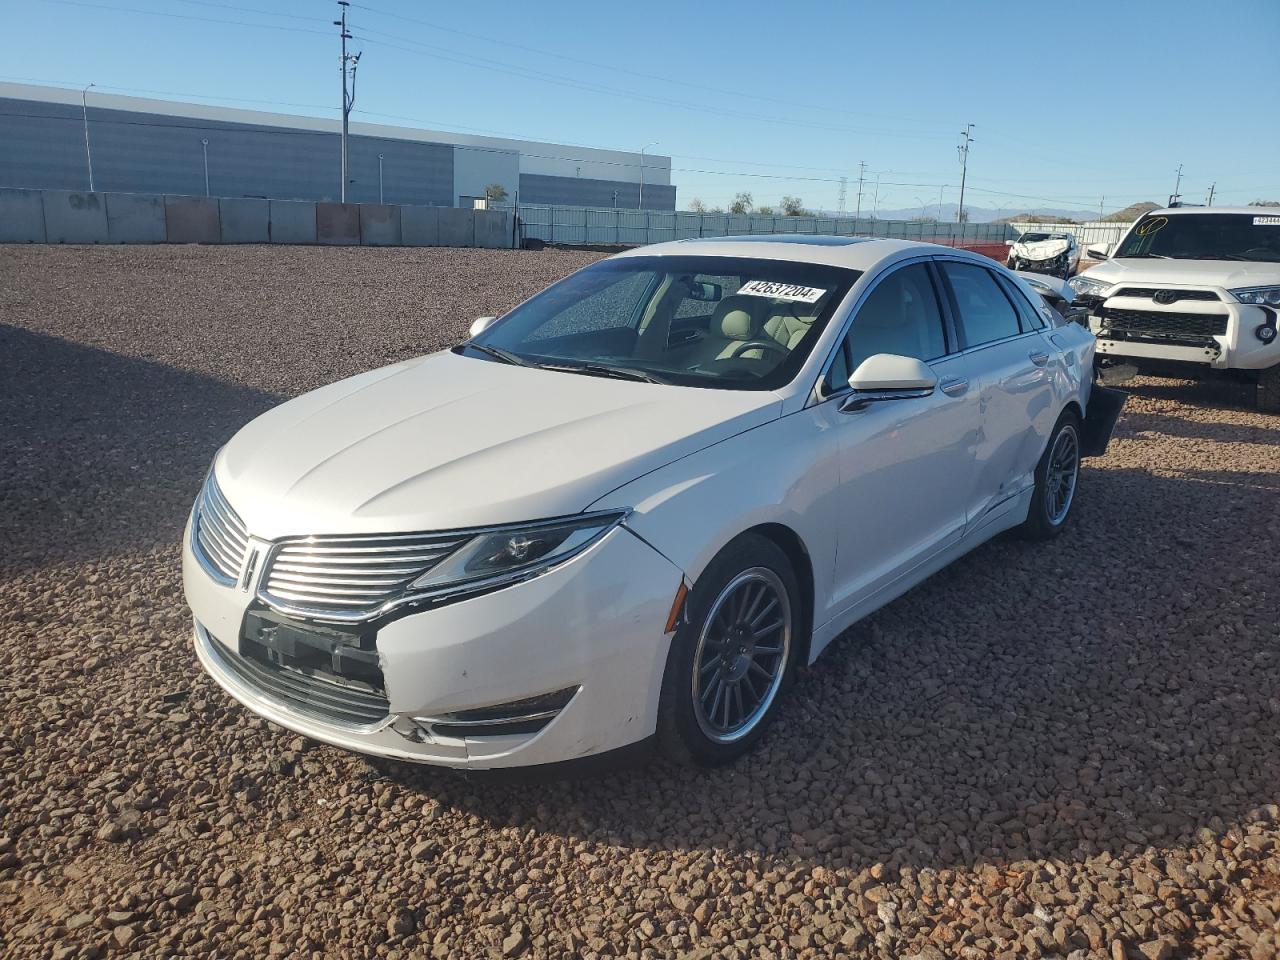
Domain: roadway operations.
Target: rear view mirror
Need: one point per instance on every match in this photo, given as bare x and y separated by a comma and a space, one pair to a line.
480, 324
887, 376
708, 292
1099, 251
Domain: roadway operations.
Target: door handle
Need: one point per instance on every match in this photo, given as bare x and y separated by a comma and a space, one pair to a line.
954, 386
1039, 359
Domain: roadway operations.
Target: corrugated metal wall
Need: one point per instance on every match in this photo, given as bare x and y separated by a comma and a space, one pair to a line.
583, 192
42, 147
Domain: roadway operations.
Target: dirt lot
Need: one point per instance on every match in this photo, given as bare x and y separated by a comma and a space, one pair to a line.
1066, 750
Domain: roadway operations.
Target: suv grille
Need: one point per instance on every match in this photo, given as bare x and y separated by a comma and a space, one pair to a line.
219, 535
349, 578
1171, 296
1153, 323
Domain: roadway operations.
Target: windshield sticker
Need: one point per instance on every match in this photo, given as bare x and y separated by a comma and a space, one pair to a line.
781, 291
1152, 225
1266, 221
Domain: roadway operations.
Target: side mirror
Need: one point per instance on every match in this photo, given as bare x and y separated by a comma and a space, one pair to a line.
887, 376
480, 325
1099, 251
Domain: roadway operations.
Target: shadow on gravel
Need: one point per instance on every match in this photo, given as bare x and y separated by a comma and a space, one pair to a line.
1167, 425
1108, 690
101, 453
1216, 392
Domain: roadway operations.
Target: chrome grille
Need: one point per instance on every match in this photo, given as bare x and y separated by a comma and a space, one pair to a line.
219, 535
349, 578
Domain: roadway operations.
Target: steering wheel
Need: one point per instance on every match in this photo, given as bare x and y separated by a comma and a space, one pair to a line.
758, 345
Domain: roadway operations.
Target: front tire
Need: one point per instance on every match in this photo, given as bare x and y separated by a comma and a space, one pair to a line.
732, 656
1057, 476
1268, 398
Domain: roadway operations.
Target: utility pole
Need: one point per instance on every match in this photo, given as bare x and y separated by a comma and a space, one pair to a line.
1212, 187
963, 150
348, 101
844, 185
1101, 202
862, 172
1176, 187
941, 190
84, 110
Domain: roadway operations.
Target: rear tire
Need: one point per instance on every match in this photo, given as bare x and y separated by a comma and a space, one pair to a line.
1268, 397
1057, 476
733, 655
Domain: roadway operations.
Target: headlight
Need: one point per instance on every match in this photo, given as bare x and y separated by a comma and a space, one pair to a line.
505, 555
1088, 287
1263, 296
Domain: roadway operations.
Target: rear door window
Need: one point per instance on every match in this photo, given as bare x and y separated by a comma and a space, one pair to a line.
985, 313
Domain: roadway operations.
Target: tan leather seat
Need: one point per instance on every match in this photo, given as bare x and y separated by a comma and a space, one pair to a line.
788, 326
735, 320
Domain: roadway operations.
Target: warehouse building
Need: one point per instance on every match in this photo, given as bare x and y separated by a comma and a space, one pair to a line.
139, 145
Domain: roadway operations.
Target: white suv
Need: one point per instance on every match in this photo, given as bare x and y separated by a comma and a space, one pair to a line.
1190, 290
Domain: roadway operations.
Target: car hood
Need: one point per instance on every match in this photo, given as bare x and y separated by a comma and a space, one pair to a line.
1041, 249
447, 441
1228, 274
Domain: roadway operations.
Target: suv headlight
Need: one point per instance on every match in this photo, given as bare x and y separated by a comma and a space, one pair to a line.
504, 555
1089, 287
1263, 296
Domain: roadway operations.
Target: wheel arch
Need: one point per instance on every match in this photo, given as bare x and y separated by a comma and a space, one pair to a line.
792, 544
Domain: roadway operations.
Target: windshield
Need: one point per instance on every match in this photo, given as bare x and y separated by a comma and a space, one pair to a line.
723, 322
1037, 237
1205, 236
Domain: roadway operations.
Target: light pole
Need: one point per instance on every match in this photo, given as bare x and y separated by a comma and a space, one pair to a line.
875, 202
204, 145
640, 205
84, 111
380, 178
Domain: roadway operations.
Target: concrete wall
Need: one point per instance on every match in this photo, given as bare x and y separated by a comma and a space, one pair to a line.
67, 216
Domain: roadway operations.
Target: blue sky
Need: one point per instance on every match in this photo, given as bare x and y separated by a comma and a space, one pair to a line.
1070, 102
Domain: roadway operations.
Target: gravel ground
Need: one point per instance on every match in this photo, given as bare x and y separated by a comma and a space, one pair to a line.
1060, 750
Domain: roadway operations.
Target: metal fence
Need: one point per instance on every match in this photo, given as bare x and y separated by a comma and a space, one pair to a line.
607, 226
1097, 231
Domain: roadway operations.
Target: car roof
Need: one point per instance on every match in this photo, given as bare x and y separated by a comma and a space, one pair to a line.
855, 253
1182, 211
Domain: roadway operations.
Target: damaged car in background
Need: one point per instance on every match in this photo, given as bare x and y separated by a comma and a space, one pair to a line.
1055, 254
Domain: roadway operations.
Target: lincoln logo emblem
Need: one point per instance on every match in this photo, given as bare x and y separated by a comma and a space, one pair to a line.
1165, 296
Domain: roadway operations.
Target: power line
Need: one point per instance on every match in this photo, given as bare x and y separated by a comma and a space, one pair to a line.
440, 53
614, 67
184, 16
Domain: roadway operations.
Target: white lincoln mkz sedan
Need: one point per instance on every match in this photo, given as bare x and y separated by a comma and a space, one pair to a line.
633, 506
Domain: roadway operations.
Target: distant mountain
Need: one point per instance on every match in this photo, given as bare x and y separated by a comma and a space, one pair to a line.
976, 214
1133, 211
